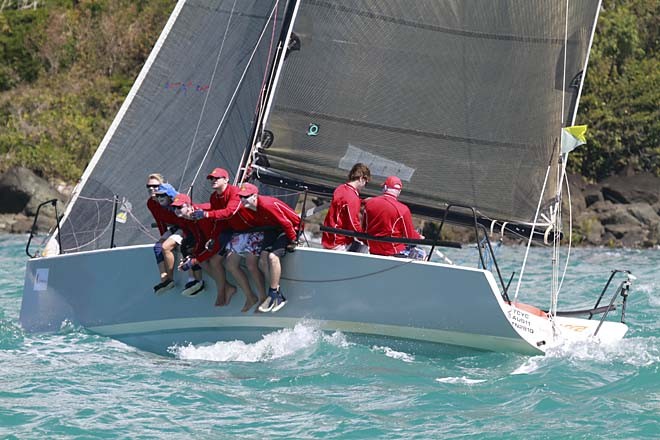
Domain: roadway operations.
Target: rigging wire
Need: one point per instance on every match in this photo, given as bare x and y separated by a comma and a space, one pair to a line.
231, 100
356, 277
570, 233
561, 167
529, 241
100, 235
261, 102
206, 97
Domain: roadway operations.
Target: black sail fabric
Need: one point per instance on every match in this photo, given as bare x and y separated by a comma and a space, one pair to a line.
199, 94
461, 99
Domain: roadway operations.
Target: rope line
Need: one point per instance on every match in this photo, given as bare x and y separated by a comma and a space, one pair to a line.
336, 280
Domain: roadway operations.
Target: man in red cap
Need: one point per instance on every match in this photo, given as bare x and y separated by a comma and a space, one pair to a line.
223, 205
183, 205
259, 211
344, 212
385, 216
206, 246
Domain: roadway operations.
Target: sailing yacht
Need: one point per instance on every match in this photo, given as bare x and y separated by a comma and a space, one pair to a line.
469, 103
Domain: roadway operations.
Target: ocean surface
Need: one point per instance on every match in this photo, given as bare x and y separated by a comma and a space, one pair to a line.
302, 383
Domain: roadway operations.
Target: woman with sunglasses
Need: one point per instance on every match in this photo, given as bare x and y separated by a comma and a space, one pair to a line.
161, 195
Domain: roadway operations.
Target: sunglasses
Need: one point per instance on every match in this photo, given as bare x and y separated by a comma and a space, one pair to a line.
213, 179
152, 187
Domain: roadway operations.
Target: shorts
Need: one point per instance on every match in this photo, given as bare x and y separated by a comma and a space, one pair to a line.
188, 245
412, 252
275, 242
173, 233
224, 238
246, 243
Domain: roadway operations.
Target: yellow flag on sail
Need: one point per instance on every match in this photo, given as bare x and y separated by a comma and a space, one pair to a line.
572, 137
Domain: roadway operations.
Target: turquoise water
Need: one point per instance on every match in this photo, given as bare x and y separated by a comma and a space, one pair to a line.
302, 383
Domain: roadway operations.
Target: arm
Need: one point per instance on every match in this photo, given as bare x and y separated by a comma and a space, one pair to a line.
155, 209
224, 210
224, 213
287, 218
353, 213
410, 230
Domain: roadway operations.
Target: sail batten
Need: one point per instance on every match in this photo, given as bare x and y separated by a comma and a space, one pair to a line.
466, 96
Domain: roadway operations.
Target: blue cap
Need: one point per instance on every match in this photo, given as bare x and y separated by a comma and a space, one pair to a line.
166, 188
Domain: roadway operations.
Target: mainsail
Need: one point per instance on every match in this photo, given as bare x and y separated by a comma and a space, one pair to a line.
462, 99
192, 108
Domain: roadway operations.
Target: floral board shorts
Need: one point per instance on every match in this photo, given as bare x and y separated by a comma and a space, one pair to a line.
246, 243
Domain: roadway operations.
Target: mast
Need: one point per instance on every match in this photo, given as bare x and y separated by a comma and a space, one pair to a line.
285, 36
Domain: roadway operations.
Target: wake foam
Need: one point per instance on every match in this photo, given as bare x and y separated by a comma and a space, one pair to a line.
635, 352
459, 380
279, 344
405, 357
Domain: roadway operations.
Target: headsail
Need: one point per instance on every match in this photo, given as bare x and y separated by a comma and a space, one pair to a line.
461, 99
198, 93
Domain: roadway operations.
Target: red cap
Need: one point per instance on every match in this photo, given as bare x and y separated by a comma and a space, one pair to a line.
181, 199
218, 172
247, 189
393, 182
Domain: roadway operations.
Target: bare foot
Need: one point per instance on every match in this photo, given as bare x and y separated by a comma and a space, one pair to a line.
249, 302
220, 300
230, 290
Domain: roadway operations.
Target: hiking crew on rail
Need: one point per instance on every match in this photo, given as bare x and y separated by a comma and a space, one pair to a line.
216, 234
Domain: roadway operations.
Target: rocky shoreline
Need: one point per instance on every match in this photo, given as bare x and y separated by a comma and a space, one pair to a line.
620, 211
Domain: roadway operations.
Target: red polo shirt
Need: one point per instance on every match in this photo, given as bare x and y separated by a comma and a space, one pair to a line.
385, 216
344, 213
270, 212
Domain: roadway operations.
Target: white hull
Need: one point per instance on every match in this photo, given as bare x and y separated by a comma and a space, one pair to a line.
110, 292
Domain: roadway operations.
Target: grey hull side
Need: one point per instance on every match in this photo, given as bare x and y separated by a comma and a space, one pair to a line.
110, 292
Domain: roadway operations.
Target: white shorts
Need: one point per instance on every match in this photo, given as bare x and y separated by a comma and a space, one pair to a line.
246, 243
177, 236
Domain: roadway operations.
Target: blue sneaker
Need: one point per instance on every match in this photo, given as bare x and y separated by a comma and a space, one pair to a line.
192, 288
278, 302
267, 305
163, 287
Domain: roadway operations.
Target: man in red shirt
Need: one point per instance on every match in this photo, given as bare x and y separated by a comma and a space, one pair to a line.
204, 244
224, 203
385, 216
260, 211
344, 212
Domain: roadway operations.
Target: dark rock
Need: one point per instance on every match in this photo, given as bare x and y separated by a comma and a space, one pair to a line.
618, 215
592, 194
602, 206
23, 191
644, 213
627, 237
644, 187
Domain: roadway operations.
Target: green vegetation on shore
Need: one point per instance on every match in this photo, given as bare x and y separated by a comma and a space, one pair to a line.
67, 65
